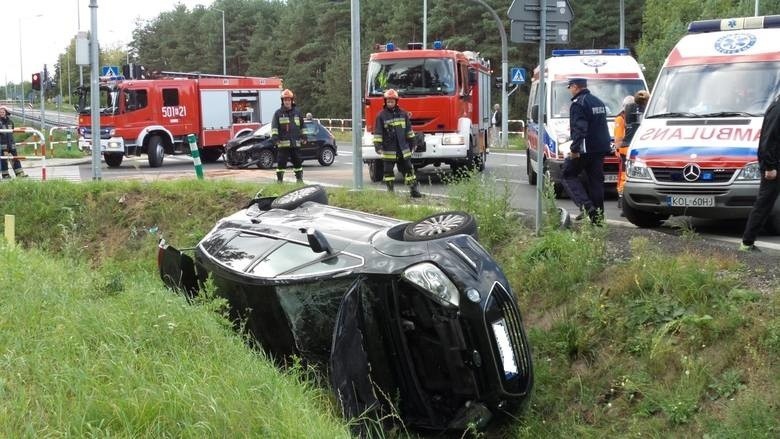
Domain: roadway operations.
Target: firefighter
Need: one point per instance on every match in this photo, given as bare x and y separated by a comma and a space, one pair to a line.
392, 135
287, 134
7, 145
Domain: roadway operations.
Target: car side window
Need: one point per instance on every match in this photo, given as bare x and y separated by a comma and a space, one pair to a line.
310, 128
135, 100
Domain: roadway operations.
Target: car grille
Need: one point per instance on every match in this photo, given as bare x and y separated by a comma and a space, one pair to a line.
675, 175
500, 306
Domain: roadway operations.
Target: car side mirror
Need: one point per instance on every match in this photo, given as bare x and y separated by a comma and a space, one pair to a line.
317, 241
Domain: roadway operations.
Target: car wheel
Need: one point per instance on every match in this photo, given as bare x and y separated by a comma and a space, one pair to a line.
210, 155
155, 151
642, 219
113, 160
481, 159
296, 197
376, 170
558, 189
441, 225
327, 156
266, 159
529, 171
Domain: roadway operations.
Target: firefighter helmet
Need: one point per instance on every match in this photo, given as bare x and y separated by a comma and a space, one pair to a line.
287, 93
391, 94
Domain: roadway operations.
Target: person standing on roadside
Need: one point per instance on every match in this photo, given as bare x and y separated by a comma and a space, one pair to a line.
287, 134
392, 134
621, 144
495, 126
7, 145
769, 189
590, 142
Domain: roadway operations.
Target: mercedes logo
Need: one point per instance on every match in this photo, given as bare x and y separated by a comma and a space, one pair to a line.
691, 172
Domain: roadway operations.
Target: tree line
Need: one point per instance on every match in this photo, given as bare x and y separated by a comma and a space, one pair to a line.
307, 42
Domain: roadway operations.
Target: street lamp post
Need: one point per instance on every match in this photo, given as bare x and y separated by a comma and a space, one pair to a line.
224, 58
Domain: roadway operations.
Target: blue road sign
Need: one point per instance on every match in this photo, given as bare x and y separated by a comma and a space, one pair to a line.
109, 71
517, 75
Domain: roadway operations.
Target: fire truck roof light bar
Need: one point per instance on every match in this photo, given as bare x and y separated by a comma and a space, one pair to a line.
576, 52
197, 75
738, 23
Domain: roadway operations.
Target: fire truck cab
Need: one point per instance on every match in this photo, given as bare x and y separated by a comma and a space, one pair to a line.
447, 94
155, 116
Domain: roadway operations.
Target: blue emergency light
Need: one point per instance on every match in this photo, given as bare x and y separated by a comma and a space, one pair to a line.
578, 52
738, 23
389, 47
437, 45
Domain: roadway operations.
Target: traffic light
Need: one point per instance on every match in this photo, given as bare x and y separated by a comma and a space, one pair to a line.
36, 81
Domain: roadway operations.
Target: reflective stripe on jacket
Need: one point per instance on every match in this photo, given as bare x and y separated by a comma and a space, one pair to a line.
393, 133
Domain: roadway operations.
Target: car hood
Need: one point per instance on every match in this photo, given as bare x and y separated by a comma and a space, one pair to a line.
245, 140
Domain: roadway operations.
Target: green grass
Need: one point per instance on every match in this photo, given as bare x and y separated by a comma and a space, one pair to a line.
659, 345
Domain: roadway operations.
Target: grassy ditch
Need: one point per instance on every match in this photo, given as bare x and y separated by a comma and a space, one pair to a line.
657, 343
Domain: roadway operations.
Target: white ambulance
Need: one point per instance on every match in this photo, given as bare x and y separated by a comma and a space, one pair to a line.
695, 151
612, 75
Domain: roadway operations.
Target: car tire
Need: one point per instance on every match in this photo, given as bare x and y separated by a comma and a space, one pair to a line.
155, 151
296, 197
441, 225
113, 160
530, 172
266, 159
210, 155
327, 156
376, 170
480, 160
642, 219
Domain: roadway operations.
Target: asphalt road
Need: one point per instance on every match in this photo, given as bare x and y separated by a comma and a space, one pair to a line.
506, 168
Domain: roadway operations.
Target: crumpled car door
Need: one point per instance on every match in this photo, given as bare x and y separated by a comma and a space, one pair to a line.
177, 270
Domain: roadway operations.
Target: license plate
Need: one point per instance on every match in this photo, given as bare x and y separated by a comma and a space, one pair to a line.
690, 200
610, 178
417, 155
505, 348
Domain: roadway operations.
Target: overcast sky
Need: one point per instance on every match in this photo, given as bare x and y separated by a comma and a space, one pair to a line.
48, 25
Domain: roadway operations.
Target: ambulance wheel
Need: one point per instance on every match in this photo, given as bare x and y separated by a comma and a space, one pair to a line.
155, 151
642, 219
528, 169
376, 170
113, 160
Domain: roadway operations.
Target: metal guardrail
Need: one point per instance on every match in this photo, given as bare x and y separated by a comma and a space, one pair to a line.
343, 125
69, 136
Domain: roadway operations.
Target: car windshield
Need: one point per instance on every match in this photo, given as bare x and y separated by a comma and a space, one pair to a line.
738, 89
107, 96
416, 76
610, 91
264, 130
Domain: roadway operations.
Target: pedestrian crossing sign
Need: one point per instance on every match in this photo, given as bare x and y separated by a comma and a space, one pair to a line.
109, 71
517, 75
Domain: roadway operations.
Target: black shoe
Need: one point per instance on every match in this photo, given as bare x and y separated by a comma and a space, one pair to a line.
580, 217
414, 191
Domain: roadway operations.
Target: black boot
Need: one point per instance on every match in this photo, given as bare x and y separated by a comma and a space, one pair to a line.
389, 185
299, 176
279, 176
414, 190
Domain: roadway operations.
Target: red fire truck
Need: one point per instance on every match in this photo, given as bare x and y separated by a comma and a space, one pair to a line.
447, 93
154, 116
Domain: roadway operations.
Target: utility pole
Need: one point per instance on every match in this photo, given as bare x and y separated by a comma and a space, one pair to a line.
357, 101
623, 24
94, 92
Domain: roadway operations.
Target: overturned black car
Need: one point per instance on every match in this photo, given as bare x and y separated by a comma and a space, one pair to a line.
257, 149
414, 319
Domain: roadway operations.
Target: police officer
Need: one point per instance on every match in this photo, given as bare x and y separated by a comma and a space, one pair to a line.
590, 142
392, 134
287, 134
7, 144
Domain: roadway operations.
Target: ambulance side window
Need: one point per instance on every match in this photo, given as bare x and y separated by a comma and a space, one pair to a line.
135, 100
170, 97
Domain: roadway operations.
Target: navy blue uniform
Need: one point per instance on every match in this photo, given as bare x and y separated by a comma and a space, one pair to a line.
591, 139
288, 133
7, 145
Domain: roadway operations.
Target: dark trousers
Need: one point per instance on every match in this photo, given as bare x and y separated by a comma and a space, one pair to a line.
592, 196
284, 154
16, 164
765, 201
404, 166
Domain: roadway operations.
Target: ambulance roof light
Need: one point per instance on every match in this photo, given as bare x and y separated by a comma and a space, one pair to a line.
576, 52
437, 45
738, 23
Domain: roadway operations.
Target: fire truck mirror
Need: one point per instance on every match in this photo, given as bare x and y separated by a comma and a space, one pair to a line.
472, 77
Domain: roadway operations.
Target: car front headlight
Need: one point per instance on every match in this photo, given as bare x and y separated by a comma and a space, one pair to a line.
751, 171
433, 281
112, 132
637, 170
452, 139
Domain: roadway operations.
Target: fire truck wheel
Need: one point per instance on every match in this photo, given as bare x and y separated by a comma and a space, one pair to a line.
327, 156
266, 159
376, 170
155, 151
480, 160
529, 169
113, 160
